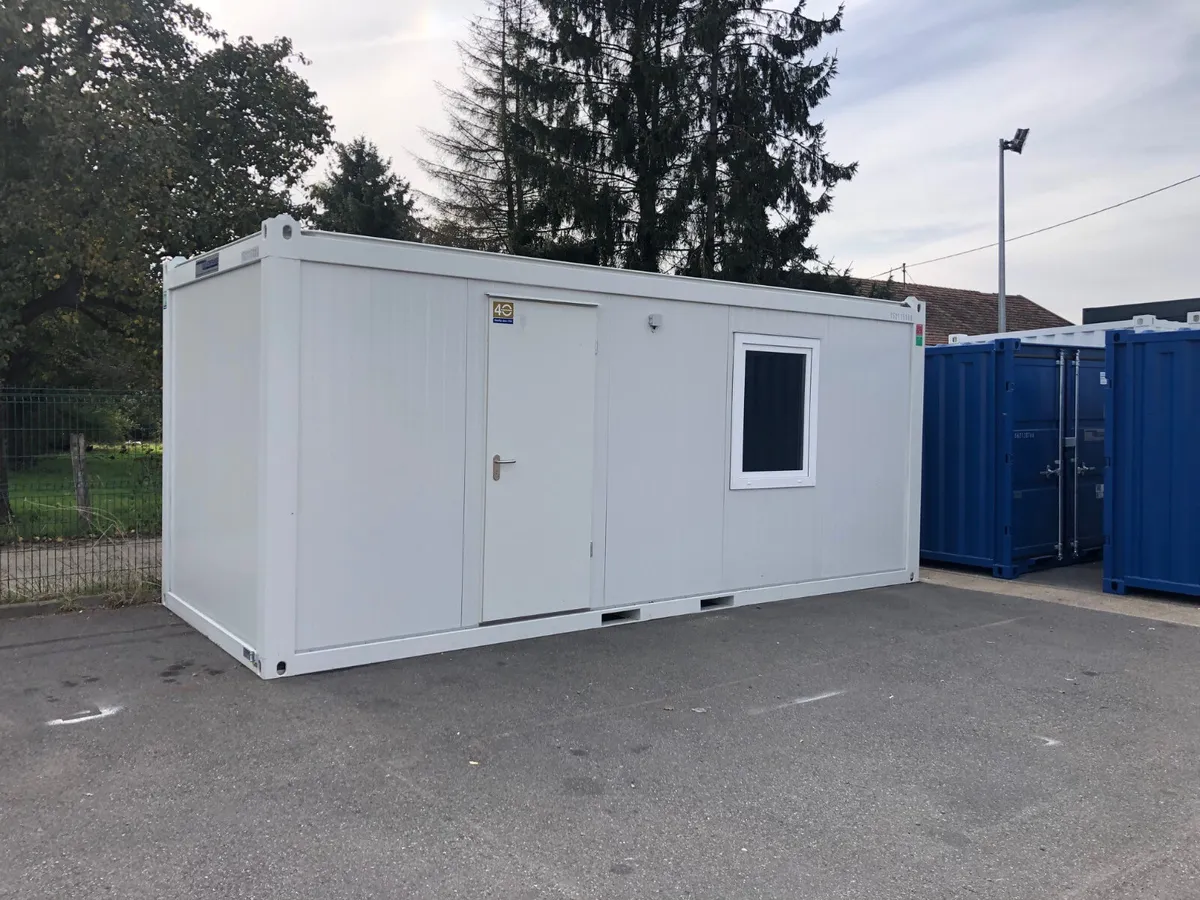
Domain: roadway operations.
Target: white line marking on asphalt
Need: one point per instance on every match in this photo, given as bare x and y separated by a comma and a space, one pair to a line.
87, 715
1049, 742
1002, 622
799, 701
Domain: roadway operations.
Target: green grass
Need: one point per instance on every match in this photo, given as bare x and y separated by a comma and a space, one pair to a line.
125, 487
113, 593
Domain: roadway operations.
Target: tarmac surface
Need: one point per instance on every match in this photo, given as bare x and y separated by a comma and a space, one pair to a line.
923, 741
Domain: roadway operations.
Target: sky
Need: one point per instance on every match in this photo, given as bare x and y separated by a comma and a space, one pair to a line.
1110, 90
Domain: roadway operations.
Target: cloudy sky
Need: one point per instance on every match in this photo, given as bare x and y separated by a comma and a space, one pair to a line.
1110, 90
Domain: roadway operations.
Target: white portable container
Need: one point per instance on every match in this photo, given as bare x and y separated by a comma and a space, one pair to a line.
1081, 335
377, 449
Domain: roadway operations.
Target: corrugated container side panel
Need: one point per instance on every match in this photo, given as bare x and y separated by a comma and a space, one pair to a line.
1186, 463
1089, 434
1031, 424
958, 498
1112, 444
1152, 490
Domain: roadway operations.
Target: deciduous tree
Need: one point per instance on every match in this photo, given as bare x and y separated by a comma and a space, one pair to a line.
129, 131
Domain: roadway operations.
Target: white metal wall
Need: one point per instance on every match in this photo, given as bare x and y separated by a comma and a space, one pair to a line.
665, 395
665, 522
328, 445
852, 521
390, 508
381, 432
214, 449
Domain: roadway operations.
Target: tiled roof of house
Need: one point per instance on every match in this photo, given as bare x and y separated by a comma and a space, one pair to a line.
955, 311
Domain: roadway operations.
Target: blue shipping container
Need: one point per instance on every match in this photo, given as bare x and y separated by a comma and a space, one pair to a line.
1152, 476
1013, 455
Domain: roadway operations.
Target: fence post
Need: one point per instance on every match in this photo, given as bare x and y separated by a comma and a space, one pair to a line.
6, 513
79, 472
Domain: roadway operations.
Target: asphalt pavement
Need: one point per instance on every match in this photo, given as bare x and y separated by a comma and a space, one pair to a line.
922, 741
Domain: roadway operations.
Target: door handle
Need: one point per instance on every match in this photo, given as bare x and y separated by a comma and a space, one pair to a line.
1083, 468
497, 462
1051, 472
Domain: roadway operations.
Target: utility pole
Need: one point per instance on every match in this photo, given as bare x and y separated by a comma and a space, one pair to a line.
1015, 145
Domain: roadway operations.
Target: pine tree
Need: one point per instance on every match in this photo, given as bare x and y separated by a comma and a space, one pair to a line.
481, 162
361, 195
760, 164
664, 135
616, 121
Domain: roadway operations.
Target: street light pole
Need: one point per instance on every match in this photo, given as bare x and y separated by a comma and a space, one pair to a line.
1000, 297
1017, 144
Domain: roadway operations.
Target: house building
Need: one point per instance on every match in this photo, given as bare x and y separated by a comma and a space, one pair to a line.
957, 311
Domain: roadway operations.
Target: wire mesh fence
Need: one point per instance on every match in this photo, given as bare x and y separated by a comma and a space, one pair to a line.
80, 493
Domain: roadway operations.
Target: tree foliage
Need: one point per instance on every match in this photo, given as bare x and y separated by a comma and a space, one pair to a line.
131, 131
361, 195
666, 135
482, 163
761, 171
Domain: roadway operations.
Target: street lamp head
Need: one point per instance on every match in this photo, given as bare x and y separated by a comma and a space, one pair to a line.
1018, 142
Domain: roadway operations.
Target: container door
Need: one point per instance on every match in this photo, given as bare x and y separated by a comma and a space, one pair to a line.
1085, 453
1037, 422
958, 485
541, 386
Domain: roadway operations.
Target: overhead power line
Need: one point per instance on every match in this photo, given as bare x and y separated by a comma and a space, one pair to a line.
1018, 237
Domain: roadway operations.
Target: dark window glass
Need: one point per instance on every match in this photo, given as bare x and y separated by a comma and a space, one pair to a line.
773, 423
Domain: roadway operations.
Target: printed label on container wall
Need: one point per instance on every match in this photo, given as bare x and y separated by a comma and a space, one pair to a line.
502, 312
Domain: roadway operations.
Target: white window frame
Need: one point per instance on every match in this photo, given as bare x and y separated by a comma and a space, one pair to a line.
806, 477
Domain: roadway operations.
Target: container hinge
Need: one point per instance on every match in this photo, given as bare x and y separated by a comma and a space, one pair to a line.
253, 658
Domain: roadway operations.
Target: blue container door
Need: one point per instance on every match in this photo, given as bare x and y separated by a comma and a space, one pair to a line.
1035, 405
1084, 453
958, 486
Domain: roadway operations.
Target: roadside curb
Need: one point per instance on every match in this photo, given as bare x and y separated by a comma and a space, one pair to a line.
51, 607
